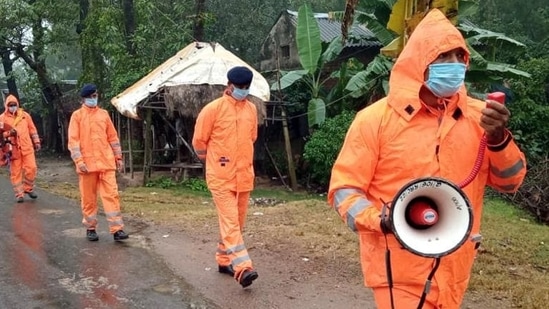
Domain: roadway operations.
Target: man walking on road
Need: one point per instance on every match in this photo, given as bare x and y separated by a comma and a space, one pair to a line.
96, 152
24, 141
224, 137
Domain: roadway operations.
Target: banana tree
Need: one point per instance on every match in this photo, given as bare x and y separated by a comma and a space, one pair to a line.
312, 57
393, 20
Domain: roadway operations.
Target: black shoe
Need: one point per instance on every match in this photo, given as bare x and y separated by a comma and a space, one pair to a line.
19, 199
32, 195
226, 269
120, 235
92, 235
247, 277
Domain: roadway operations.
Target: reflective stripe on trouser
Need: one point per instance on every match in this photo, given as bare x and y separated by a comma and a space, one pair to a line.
105, 184
23, 174
404, 298
231, 212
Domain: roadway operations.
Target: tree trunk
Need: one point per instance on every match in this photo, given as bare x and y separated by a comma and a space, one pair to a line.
198, 28
84, 8
129, 25
7, 62
51, 91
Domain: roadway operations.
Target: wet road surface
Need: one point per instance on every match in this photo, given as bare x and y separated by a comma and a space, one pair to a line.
46, 261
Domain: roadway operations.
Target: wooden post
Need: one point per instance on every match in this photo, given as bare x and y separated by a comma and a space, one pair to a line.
147, 156
289, 154
130, 149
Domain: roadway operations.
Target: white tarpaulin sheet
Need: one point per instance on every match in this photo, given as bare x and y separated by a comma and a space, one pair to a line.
198, 63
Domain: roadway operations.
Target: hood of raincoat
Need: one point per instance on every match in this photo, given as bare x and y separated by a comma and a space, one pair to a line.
10, 99
423, 47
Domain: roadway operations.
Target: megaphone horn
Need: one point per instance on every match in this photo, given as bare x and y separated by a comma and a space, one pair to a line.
431, 217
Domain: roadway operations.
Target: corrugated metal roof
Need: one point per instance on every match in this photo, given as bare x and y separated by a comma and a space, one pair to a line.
359, 36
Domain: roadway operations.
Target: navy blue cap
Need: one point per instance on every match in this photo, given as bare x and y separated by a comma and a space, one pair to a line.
87, 90
240, 76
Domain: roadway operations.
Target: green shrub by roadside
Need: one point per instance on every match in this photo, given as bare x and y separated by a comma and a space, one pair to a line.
323, 147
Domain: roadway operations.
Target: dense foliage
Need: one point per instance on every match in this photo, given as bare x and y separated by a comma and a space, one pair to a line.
324, 144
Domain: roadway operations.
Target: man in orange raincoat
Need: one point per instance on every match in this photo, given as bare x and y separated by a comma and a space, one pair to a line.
96, 152
427, 126
224, 137
24, 141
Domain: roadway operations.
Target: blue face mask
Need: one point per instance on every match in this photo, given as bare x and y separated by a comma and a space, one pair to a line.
445, 79
240, 94
90, 102
12, 109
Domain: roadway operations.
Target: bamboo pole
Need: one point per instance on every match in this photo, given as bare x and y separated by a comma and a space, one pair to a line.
147, 157
287, 142
130, 148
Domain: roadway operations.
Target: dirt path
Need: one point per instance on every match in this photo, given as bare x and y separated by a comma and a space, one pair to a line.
288, 278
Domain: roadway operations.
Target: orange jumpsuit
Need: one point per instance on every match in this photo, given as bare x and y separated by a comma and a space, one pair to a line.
396, 140
224, 137
23, 163
93, 141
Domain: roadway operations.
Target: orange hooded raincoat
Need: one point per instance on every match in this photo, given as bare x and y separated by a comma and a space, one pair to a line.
396, 140
23, 163
224, 137
93, 142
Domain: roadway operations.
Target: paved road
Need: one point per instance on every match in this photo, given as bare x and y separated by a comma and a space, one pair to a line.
46, 262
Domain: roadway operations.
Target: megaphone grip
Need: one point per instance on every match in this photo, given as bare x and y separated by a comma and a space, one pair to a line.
496, 96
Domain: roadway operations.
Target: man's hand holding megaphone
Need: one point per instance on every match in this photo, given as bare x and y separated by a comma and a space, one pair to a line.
386, 224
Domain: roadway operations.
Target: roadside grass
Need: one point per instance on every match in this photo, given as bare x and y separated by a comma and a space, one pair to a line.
513, 260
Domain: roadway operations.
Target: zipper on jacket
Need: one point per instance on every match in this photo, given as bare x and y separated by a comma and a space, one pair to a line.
436, 151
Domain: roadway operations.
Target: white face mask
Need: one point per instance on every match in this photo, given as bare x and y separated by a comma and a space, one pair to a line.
240, 94
90, 102
12, 109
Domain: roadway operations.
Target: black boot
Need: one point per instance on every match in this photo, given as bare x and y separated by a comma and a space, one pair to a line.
32, 195
120, 235
92, 235
226, 269
247, 277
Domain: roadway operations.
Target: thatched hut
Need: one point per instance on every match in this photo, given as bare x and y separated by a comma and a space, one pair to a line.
176, 91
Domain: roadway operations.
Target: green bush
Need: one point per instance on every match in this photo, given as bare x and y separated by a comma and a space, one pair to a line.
161, 182
530, 110
322, 148
529, 126
195, 184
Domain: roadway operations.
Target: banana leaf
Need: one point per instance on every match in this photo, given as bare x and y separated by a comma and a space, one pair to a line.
309, 45
316, 111
289, 79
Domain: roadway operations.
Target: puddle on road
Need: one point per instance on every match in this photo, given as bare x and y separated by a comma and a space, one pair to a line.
171, 288
51, 211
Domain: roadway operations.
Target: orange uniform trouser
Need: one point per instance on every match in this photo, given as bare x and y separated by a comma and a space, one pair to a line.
105, 184
23, 174
405, 298
232, 208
